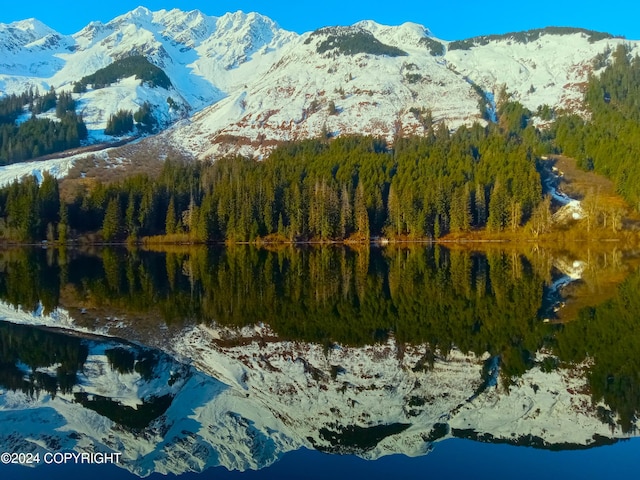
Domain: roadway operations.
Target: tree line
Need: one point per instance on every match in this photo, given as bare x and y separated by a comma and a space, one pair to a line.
350, 188
527, 36
351, 41
32, 210
122, 122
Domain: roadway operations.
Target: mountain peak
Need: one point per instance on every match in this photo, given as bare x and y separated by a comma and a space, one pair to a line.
408, 33
18, 38
240, 18
140, 12
416, 28
262, 84
31, 25
191, 15
137, 15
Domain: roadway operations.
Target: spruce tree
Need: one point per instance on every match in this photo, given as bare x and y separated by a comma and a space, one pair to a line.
170, 219
63, 225
361, 214
111, 226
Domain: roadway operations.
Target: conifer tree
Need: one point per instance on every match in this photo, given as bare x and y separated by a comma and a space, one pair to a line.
111, 226
361, 214
63, 225
131, 219
170, 219
498, 207
48, 201
394, 211
480, 202
346, 213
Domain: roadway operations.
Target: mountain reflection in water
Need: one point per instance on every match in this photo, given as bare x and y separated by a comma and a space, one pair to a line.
253, 353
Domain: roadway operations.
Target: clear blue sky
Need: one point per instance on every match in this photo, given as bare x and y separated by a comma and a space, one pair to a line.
447, 19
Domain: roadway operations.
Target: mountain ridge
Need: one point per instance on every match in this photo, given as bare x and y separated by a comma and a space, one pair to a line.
242, 84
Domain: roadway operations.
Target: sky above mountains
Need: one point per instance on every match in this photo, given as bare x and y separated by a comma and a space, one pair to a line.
447, 20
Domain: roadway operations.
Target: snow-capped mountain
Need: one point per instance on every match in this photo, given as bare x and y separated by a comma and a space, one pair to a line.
199, 53
249, 84
548, 70
29, 48
318, 88
204, 57
307, 93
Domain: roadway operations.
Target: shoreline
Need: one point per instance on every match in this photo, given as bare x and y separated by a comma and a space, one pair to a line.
376, 242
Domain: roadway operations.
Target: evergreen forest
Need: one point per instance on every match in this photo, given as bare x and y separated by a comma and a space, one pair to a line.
134, 65
351, 41
36, 136
527, 36
609, 143
319, 190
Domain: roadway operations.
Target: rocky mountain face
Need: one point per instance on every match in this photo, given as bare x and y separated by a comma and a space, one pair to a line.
241, 84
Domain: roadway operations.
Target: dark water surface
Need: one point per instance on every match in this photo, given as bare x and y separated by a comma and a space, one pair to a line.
452, 459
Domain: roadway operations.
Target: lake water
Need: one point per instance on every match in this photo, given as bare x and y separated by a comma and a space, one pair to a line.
302, 363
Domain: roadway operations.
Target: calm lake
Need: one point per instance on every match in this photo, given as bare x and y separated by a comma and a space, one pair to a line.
321, 361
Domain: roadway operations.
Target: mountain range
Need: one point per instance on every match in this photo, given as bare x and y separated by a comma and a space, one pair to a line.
241, 84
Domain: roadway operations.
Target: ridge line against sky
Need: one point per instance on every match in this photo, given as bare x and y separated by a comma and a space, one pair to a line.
447, 20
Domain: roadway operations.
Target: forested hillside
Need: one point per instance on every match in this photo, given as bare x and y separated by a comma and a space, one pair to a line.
345, 188
610, 142
135, 65
527, 36
36, 136
351, 41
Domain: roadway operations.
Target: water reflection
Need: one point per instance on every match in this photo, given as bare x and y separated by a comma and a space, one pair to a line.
366, 352
317, 295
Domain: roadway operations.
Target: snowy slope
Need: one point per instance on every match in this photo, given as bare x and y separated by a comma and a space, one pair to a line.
551, 70
30, 49
379, 94
203, 56
58, 168
371, 93
247, 84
